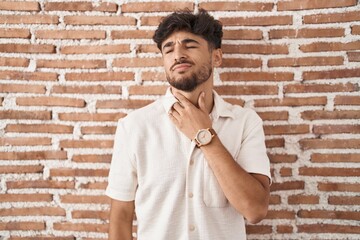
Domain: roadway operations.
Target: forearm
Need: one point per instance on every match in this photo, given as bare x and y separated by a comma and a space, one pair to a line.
244, 191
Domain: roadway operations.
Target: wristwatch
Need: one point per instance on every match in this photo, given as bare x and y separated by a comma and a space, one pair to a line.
204, 136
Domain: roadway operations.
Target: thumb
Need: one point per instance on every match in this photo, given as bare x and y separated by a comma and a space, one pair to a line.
201, 102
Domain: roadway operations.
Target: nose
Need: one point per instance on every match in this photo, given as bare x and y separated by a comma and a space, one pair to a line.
178, 52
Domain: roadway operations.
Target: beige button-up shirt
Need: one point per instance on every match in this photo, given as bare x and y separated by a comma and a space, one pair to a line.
177, 196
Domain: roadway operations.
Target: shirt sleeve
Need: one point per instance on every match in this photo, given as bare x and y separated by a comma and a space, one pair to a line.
252, 156
122, 181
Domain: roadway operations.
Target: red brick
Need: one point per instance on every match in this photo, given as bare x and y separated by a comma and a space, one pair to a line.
275, 199
19, 6
258, 229
22, 88
34, 197
257, 76
147, 90
153, 76
285, 172
274, 115
100, 76
97, 117
70, 34
29, 19
35, 115
33, 211
331, 129
237, 6
247, 90
34, 155
25, 141
39, 128
96, 185
303, 199
86, 143
284, 186
305, 61
235, 101
41, 184
95, 49
353, 215
95, 199
329, 158
344, 200
329, 143
98, 130
347, 100
241, 63
324, 171
313, 88
66, 172
280, 214
81, 227
340, 114
93, 89
32, 76
117, 104
137, 62
286, 5
80, 6
242, 34
14, 62
84, 64
328, 228
353, 56
147, 48
276, 142
282, 158
26, 169
355, 30
257, 21
331, 74
18, 226
50, 101
339, 187
329, 46
306, 33
132, 34
92, 158
284, 229
348, 16
47, 237
14, 33
27, 48
286, 129
150, 20
99, 20
265, 49
79, 214
155, 6
290, 101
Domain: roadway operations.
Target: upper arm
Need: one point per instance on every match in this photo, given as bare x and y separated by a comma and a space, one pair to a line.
122, 210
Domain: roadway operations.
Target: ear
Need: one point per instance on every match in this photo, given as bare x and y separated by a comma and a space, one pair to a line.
217, 57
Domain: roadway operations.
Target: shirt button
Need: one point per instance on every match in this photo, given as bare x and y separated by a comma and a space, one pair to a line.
192, 228
191, 195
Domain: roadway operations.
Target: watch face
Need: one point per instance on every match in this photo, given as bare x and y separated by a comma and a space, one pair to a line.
204, 136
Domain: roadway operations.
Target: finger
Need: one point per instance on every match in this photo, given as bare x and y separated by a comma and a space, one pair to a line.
201, 102
182, 99
177, 107
173, 112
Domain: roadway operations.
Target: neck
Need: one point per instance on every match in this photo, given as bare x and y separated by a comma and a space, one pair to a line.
193, 96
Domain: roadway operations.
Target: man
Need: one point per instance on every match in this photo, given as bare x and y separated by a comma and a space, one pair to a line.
190, 165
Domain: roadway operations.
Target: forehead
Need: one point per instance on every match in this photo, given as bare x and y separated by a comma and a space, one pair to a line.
179, 36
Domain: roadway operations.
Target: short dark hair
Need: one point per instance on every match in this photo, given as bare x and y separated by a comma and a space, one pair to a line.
201, 24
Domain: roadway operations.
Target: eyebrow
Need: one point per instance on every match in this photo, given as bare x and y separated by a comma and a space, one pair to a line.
186, 40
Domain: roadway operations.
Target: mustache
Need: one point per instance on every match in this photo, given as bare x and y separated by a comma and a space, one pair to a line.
180, 61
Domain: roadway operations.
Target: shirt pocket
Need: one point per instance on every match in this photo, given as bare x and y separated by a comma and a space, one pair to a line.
213, 195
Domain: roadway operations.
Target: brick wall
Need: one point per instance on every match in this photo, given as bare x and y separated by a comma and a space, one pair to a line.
70, 70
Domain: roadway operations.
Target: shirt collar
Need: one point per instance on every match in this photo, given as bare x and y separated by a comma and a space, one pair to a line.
220, 109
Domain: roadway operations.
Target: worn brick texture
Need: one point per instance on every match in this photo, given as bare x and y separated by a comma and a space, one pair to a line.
70, 69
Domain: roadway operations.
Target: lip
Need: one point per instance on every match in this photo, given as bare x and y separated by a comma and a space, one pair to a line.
181, 66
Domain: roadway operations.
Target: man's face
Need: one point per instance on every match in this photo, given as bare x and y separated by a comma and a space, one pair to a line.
187, 60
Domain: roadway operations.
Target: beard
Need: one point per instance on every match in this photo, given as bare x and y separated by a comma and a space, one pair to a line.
188, 84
